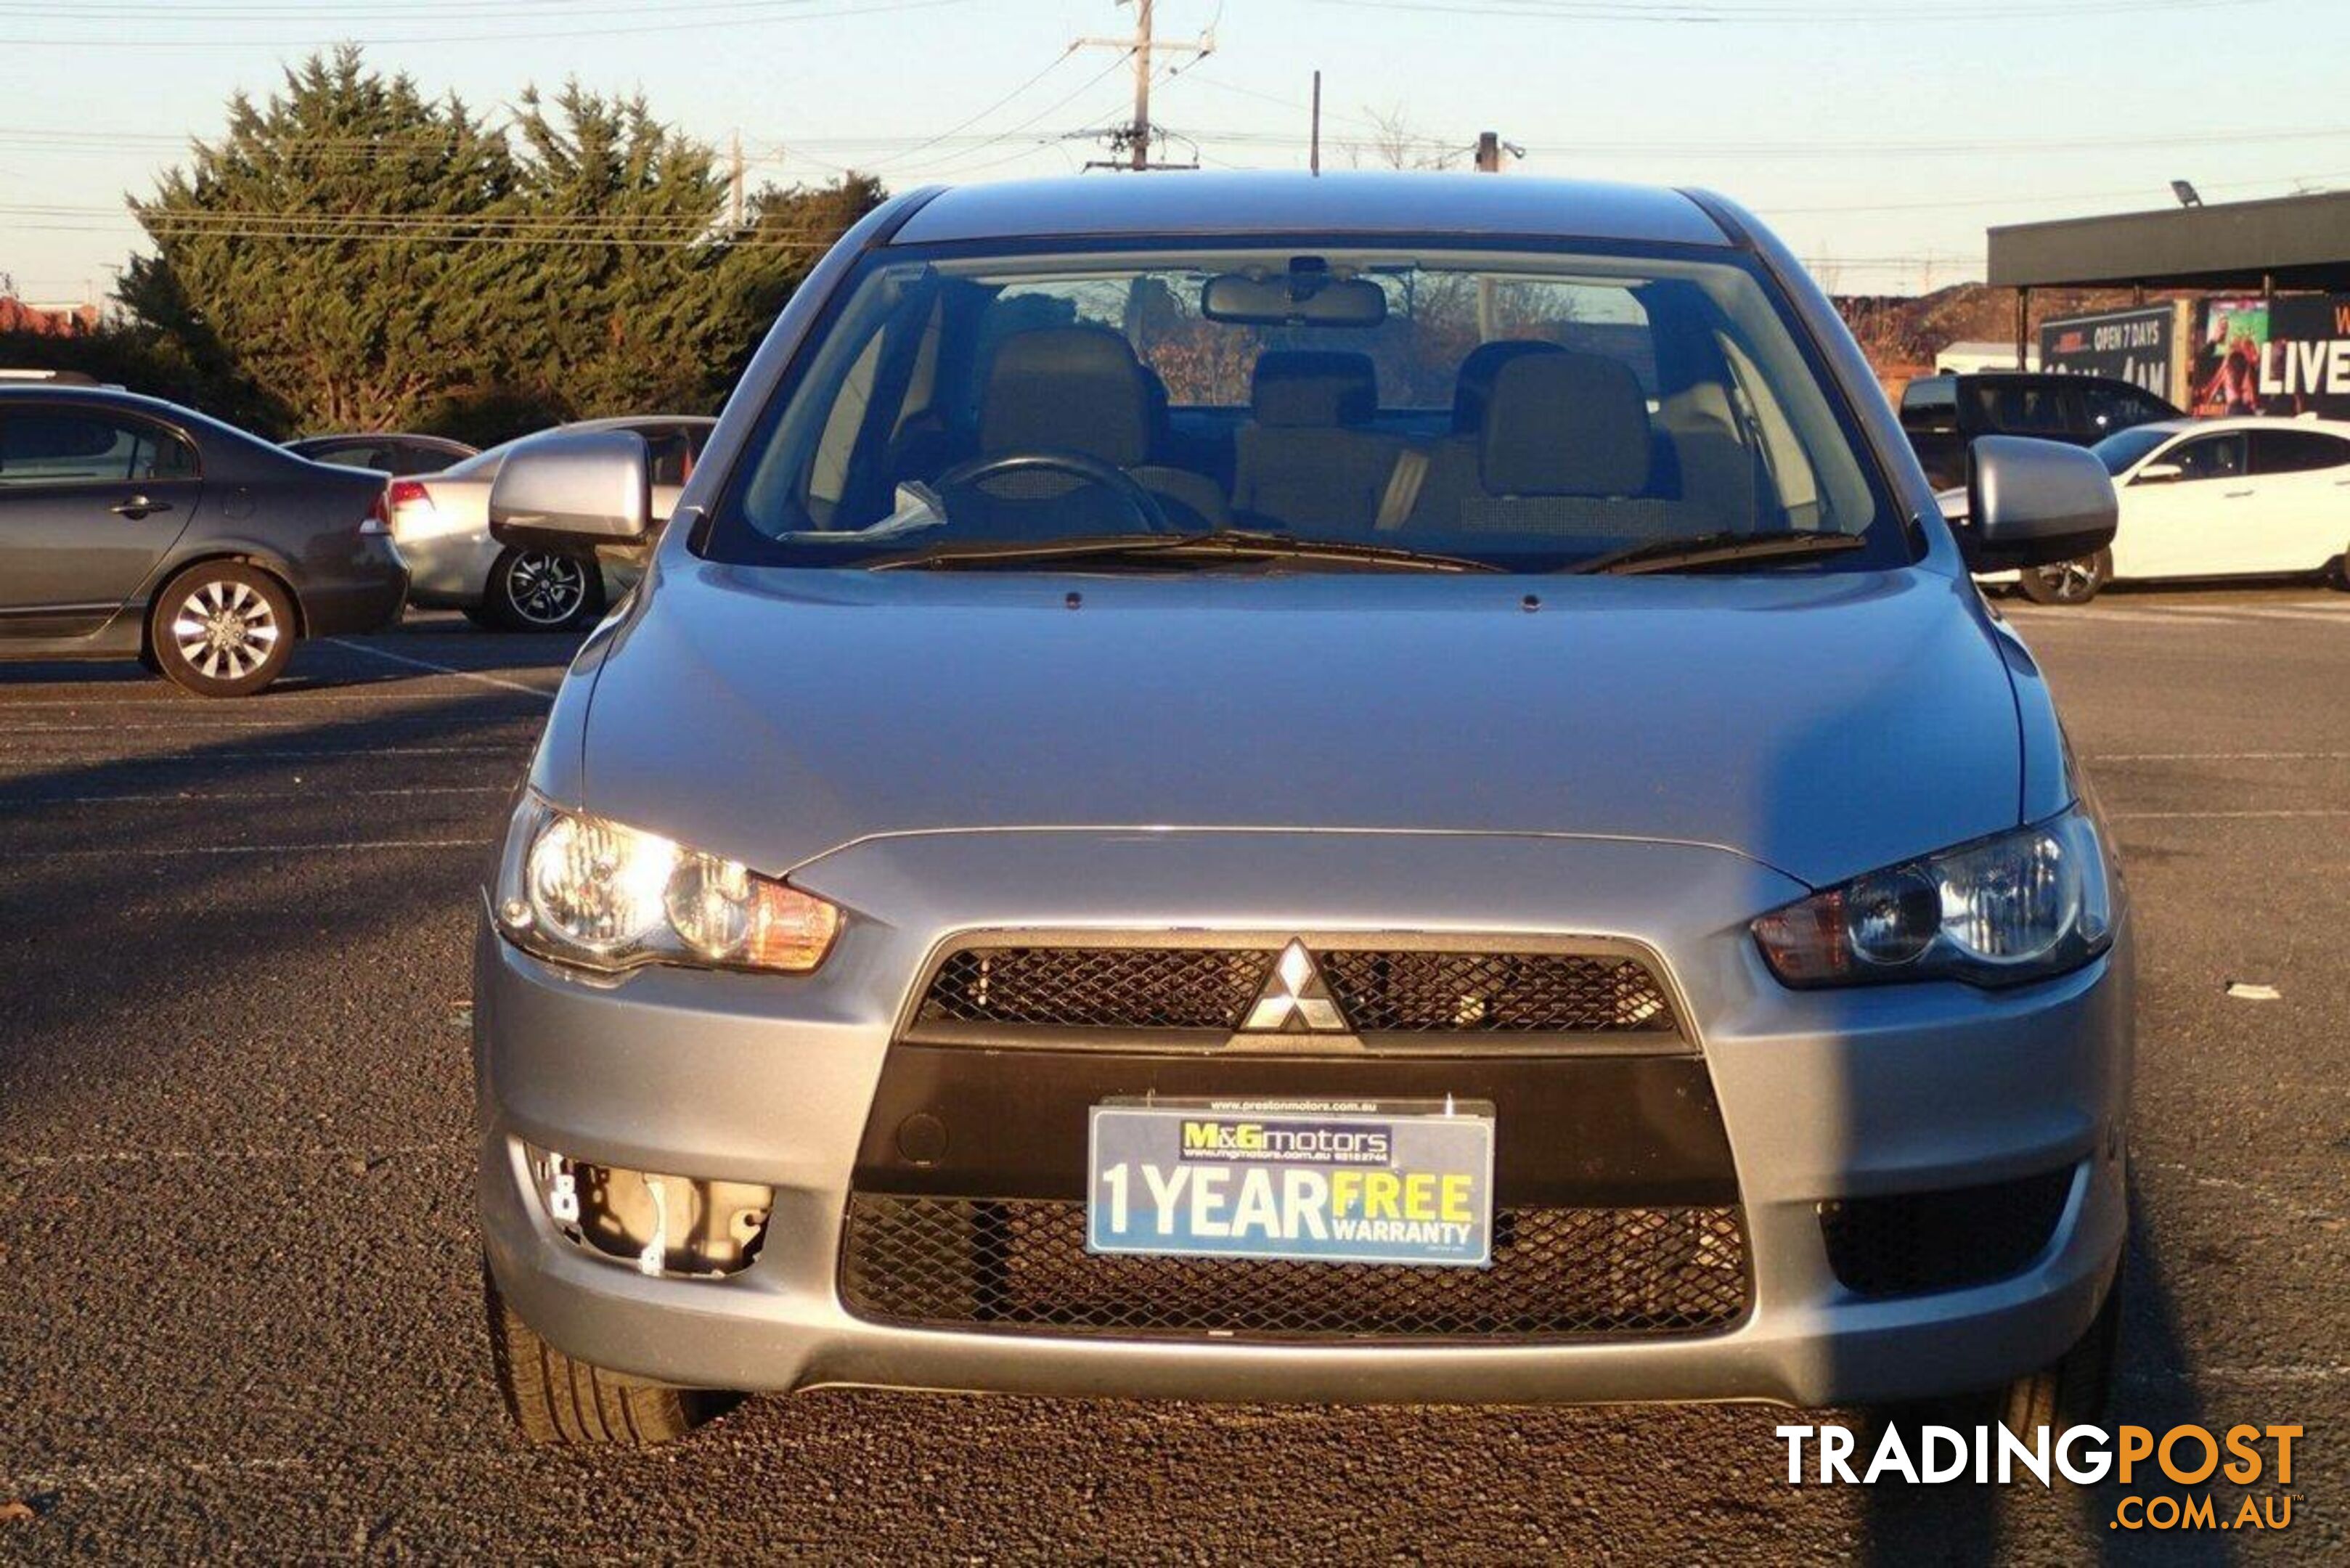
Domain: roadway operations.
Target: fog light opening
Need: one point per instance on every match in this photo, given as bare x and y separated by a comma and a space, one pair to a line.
658, 1224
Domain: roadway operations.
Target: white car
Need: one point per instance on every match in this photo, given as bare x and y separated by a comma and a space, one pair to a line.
2211, 498
440, 522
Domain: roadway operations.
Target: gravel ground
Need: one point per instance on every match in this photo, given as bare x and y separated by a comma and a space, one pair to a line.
240, 1310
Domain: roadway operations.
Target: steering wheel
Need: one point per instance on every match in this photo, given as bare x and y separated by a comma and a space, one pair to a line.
1077, 466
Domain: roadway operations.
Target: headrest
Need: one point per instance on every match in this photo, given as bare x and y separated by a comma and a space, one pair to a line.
1473, 390
1071, 388
1566, 424
1314, 387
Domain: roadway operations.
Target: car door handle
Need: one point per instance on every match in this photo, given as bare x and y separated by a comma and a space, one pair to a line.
2235, 494
138, 506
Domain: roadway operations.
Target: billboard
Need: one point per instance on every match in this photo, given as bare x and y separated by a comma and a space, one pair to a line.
2289, 355
2133, 345
2232, 342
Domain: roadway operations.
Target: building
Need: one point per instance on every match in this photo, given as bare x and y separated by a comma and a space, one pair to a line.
47, 321
2265, 328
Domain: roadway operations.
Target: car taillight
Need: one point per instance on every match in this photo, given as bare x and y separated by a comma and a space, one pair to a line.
407, 496
379, 517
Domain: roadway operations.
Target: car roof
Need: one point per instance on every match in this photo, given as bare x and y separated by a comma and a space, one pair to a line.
1292, 202
377, 435
179, 414
624, 422
2035, 377
2248, 422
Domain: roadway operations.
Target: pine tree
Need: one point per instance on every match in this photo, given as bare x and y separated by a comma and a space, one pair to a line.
332, 263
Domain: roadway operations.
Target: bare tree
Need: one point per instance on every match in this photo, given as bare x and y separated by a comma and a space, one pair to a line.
1394, 144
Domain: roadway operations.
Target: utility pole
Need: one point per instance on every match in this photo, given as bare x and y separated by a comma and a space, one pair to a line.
1135, 138
1489, 153
734, 180
1314, 158
1142, 84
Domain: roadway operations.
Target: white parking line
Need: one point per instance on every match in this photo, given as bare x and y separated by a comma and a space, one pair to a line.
2218, 815
357, 753
344, 847
217, 1156
497, 681
399, 691
325, 794
2339, 616
2219, 756
2085, 619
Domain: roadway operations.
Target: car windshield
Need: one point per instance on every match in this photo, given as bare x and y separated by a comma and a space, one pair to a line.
2121, 451
1526, 411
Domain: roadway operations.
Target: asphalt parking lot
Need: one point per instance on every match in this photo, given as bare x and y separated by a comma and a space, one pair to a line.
238, 1300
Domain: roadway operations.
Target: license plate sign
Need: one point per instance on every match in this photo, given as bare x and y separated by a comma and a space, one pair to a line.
1345, 1182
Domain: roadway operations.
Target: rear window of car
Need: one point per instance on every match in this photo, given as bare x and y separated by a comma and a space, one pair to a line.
2297, 452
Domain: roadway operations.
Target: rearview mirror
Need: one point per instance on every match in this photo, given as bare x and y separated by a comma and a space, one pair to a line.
2035, 502
1292, 299
2158, 474
571, 491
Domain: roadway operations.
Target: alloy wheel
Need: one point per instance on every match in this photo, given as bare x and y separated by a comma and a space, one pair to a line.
2070, 582
225, 630
545, 589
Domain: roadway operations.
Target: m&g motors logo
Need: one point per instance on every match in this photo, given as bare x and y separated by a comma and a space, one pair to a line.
1214, 1138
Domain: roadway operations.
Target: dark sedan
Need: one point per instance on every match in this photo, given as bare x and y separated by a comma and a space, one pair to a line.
397, 453
133, 528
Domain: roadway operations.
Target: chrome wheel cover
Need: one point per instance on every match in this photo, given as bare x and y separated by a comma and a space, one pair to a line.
225, 630
545, 589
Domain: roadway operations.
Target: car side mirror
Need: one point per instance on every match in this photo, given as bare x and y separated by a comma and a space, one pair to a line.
571, 491
2035, 502
2158, 474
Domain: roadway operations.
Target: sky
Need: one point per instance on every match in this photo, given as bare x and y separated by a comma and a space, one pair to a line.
1878, 137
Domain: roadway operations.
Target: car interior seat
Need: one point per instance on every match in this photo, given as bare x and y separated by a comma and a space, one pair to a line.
1305, 462
1081, 388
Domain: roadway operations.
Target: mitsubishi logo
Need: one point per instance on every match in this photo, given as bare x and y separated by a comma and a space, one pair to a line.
1295, 999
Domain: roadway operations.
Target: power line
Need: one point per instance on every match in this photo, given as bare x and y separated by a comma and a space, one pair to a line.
1053, 108
1715, 12
536, 35
962, 125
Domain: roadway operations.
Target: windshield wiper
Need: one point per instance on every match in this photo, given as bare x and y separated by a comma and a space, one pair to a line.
1698, 551
1238, 545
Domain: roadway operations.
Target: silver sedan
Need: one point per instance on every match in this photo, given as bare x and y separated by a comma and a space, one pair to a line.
1260, 787
440, 523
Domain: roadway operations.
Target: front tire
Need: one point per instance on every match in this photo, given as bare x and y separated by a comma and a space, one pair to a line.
222, 628
2074, 582
2072, 1391
537, 591
559, 1400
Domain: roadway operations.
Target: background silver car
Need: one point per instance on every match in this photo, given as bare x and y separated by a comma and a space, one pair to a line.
1258, 787
440, 523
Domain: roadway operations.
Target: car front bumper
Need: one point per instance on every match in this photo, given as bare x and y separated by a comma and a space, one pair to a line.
1823, 1096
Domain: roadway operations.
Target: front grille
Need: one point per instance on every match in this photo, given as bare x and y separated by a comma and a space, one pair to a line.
1021, 1267
1097, 988
1945, 1240
1433, 992
1381, 990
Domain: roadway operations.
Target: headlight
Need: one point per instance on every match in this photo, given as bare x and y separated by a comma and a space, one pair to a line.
1999, 911
582, 890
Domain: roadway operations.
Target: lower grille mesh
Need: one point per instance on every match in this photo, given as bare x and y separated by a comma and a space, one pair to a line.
1021, 1266
1946, 1240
